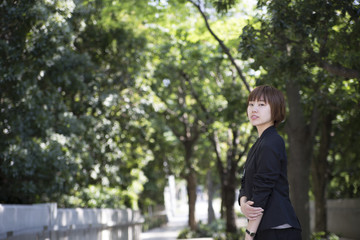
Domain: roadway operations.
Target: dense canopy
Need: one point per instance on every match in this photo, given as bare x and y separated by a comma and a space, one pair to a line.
100, 101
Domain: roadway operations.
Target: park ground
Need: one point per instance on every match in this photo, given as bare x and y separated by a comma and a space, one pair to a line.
178, 220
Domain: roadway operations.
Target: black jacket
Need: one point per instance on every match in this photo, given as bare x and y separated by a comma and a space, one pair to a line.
265, 181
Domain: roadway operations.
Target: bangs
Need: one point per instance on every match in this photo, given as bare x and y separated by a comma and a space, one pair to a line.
259, 93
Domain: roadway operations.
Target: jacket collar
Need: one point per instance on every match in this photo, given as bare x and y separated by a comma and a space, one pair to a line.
268, 131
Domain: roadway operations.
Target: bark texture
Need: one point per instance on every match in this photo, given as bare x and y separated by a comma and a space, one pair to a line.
319, 172
301, 138
211, 191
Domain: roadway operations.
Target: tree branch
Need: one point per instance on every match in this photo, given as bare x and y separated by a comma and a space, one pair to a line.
215, 141
336, 69
339, 70
223, 46
195, 95
246, 147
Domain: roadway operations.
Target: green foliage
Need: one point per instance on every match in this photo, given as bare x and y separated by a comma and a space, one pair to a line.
301, 41
151, 222
224, 5
87, 88
101, 197
66, 118
36, 172
343, 159
215, 230
324, 236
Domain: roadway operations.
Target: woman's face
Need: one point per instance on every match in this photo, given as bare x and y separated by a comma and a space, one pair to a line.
259, 113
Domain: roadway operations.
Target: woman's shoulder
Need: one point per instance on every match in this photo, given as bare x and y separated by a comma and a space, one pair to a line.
273, 139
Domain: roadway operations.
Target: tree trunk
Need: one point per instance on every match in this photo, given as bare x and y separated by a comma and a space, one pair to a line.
300, 137
190, 176
319, 170
191, 188
298, 172
211, 191
227, 179
222, 204
230, 200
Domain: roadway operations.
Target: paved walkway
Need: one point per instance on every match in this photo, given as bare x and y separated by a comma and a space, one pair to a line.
170, 231
178, 221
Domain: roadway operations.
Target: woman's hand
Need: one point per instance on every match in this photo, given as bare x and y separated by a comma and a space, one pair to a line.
251, 212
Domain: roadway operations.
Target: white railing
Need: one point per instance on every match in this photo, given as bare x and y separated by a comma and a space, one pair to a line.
46, 221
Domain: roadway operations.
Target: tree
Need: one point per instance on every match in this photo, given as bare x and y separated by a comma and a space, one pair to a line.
69, 80
343, 157
231, 117
181, 117
188, 65
291, 43
34, 117
226, 122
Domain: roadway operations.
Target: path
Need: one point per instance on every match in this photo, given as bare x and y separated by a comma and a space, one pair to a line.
168, 232
177, 222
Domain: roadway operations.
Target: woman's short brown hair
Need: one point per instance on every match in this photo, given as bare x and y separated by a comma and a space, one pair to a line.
272, 96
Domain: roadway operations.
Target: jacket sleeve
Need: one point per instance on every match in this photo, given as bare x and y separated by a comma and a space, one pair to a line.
267, 173
242, 191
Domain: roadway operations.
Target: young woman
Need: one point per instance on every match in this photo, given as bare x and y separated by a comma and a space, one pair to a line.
264, 194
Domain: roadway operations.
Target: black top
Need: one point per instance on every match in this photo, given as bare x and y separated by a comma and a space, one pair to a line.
265, 181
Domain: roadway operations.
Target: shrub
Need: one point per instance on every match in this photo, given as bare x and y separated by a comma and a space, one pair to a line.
324, 236
215, 230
